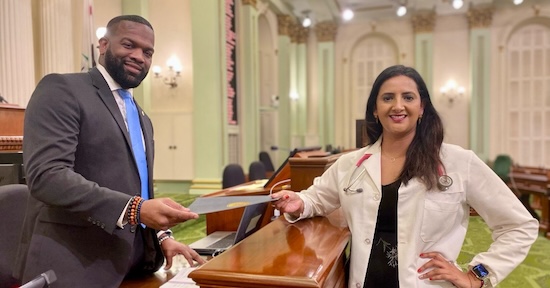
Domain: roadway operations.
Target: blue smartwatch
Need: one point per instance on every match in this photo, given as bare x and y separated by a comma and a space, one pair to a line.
481, 273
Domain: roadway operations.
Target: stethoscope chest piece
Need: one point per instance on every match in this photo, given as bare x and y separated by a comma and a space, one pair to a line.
444, 182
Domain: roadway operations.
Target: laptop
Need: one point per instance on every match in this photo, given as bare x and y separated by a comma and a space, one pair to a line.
219, 241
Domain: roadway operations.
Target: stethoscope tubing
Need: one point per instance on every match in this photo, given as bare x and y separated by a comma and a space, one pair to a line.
443, 183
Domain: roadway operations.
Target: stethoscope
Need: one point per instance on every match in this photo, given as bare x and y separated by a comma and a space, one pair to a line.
444, 181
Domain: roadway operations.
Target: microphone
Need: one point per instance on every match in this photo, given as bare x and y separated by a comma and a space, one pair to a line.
2, 99
44, 280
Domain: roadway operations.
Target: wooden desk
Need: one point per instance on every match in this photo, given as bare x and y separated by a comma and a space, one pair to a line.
12, 118
11, 130
534, 181
229, 220
301, 170
309, 253
304, 170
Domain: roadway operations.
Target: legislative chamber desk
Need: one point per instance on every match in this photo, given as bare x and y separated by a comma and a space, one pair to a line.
309, 253
11, 143
299, 170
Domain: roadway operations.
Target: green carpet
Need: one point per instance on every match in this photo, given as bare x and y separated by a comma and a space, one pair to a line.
534, 272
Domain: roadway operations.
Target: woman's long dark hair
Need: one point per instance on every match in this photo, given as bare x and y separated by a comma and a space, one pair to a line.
423, 154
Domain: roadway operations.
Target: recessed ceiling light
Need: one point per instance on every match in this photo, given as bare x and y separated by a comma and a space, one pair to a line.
347, 14
457, 4
401, 11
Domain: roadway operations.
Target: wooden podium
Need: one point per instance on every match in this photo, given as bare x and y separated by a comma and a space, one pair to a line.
11, 130
309, 253
11, 143
301, 170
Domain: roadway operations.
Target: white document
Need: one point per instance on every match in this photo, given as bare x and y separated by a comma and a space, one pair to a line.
181, 280
203, 205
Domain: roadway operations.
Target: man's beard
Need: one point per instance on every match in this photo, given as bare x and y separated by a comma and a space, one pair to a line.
115, 67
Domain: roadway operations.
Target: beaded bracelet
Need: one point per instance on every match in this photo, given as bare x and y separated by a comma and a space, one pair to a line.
139, 210
164, 237
133, 210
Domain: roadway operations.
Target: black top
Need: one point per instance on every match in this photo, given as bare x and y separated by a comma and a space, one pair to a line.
382, 269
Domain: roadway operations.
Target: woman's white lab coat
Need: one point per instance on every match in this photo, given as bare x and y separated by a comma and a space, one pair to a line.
428, 221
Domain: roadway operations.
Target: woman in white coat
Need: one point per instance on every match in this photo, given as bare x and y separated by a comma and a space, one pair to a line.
406, 197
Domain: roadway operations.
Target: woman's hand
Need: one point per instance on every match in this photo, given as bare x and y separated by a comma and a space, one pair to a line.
171, 248
440, 268
288, 202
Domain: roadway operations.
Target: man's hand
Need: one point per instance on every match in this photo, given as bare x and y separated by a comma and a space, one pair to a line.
171, 248
163, 213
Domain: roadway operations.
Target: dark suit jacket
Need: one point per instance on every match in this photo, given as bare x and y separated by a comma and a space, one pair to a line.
81, 173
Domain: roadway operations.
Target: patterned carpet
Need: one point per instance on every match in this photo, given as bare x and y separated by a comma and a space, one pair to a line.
534, 272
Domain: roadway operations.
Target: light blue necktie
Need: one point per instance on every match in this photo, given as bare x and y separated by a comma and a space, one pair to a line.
134, 129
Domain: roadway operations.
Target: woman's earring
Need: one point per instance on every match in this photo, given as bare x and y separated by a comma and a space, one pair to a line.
419, 119
376, 117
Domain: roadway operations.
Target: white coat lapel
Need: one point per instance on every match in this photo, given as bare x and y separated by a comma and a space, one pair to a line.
372, 165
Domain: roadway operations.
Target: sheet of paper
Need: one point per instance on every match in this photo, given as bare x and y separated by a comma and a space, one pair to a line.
181, 280
203, 205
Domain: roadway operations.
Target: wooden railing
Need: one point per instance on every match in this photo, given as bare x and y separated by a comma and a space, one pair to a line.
534, 181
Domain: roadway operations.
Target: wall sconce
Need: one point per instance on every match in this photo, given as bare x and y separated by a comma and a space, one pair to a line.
174, 70
452, 91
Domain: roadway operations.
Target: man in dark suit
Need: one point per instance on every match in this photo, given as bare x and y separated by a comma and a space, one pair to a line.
83, 176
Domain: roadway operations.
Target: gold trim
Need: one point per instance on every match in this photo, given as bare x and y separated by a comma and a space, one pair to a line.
284, 23
480, 17
423, 22
298, 33
326, 31
249, 2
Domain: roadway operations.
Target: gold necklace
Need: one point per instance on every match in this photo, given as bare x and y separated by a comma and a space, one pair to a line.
392, 159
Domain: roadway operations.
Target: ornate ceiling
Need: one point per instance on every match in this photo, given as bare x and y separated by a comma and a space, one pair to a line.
323, 10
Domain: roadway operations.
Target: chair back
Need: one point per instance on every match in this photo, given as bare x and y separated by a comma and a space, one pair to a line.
233, 174
501, 166
266, 160
13, 203
256, 171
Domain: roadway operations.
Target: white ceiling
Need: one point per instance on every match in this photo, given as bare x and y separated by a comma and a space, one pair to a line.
322, 10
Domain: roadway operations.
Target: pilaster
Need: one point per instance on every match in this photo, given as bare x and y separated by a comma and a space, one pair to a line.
479, 20
17, 72
326, 34
248, 82
423, 26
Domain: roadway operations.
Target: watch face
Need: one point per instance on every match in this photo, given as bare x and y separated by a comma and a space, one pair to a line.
444, 182
480, 271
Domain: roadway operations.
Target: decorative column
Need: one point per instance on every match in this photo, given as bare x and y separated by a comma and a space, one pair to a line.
298, 37
210, 140
56, 37
249, 82
17, 74
326, 33
423, 26
479, 20
284, 24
